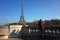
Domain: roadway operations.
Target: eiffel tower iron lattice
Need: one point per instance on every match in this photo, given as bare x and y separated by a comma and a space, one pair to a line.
22, 19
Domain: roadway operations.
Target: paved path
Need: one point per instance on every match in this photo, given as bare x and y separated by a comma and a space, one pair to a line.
12, 39
28, 38
32, 38
15, 39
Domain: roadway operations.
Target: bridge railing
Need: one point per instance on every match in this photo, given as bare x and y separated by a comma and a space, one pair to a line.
51, 31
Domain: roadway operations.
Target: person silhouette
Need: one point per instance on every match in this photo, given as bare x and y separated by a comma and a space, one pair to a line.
40, 28
39, 24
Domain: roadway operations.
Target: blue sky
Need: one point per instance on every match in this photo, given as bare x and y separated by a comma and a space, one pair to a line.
10, 10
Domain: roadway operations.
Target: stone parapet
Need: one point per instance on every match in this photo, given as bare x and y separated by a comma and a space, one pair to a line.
4, 32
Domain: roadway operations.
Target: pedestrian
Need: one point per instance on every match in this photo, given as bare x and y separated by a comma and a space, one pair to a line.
40, 28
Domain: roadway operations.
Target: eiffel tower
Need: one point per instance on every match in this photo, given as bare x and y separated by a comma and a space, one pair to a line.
22, 19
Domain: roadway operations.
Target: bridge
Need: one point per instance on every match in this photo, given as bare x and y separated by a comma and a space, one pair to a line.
47, 31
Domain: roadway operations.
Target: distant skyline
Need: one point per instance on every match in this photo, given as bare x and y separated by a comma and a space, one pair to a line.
10, 10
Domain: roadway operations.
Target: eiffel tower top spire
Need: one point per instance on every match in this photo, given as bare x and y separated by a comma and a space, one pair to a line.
22, 13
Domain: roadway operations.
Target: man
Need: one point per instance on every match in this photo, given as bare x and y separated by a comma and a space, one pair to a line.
40, 27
